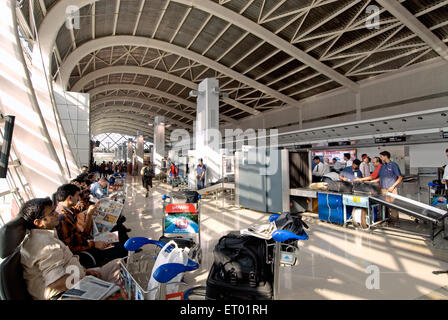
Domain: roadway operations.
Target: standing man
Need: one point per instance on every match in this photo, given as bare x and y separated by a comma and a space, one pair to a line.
377, 163
347, 159
390, 177
147, 174
319, 170
365, 167
337, 165
200, 174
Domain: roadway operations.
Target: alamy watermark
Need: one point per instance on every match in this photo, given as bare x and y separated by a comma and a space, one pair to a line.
373, 20
73, 18
373, 280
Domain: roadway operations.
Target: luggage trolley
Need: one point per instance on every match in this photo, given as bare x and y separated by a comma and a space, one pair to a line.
181, 223
136, 269
282, 250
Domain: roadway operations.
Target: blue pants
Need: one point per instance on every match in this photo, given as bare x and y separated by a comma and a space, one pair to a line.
200, 184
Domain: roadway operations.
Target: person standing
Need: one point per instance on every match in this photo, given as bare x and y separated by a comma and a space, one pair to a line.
147, 173
337, 165
319, 170
347, 159
377, 163
390, 177
200, 174
365, 167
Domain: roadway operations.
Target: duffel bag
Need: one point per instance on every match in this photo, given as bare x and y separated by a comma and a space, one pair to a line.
242, 259
340, 186
192, 196
370, 188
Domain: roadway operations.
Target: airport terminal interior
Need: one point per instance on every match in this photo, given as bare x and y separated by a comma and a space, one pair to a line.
255, 149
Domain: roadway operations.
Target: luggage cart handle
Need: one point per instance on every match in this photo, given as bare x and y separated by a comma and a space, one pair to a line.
166, 272
133, 244
284, 235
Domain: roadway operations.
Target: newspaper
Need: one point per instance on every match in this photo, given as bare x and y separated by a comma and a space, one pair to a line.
263, 231
90, 288
108, 237
108, 213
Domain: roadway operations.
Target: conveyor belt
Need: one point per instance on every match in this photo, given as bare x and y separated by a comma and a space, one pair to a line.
411, 207
303, 192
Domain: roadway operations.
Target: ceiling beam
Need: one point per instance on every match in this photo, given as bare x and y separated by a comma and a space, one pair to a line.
164, 107
105, 109
78, 86
410, 21
91, 46
134, 87
262, 33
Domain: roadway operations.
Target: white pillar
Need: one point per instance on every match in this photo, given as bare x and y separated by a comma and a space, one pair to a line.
140, 152
159, 142
208, 137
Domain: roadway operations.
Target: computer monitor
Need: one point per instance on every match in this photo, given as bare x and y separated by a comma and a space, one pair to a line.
6, 128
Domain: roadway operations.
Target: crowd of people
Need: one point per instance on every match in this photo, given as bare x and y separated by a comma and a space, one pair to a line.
60, 241
380, 170
107, 168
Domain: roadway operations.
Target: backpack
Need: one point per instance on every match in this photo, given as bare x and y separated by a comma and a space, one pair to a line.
242, 259
148, 173
291, 222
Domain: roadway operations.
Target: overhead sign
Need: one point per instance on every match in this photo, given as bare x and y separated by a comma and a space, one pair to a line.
390, 139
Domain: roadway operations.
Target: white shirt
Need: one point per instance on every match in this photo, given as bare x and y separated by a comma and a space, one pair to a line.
365, 169
349, 163
445, 173
318, 170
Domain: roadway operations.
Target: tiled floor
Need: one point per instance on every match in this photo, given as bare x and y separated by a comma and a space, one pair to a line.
335, 263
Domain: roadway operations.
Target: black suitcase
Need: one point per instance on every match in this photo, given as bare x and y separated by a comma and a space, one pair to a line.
218, 288
340, 186
367, 188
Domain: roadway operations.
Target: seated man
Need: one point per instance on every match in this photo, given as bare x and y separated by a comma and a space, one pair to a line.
351, 173
77, 233
49, 267
99, 189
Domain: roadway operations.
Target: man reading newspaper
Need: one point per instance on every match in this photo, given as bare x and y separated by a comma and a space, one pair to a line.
49, 267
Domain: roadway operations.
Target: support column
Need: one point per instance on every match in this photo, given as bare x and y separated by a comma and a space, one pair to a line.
159, 142
358, 107
208, 137
140, 152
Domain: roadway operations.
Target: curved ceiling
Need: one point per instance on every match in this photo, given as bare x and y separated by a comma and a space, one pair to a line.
145, 56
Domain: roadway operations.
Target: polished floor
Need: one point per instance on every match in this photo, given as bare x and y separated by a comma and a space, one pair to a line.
335, 263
